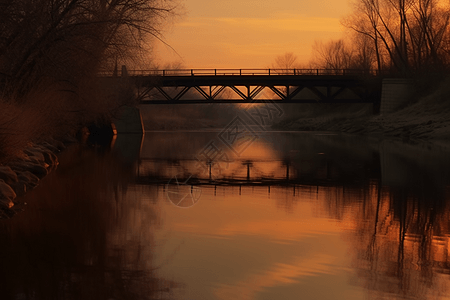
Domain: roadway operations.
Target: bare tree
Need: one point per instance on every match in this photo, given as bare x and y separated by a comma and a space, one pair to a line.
52, 38
51, 52
431, 22
286, 63
333, 55
406, 34
365, 22
374, 19
365, 55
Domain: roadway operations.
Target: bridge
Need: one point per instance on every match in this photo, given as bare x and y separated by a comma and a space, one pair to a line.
194, 86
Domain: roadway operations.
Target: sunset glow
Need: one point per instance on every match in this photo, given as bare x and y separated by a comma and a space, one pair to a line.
249, 34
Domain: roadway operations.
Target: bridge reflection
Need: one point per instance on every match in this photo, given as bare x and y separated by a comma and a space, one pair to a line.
394, 206
275, 159
251, 172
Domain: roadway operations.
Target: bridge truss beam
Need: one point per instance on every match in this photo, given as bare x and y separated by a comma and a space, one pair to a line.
254, 89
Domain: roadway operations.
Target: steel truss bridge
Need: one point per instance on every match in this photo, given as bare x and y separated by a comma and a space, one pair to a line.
193, 86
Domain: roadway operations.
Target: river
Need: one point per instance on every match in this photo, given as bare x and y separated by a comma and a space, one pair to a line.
205, 215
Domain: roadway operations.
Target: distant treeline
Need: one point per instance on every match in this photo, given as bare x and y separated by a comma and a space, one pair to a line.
395, 36
51, 51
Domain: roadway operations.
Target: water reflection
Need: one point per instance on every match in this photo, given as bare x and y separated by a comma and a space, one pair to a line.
403, 226
86, 234
389, 201
317, 215
276, 158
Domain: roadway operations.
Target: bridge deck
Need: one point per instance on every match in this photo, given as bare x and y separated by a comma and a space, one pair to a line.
254, 86
249, 80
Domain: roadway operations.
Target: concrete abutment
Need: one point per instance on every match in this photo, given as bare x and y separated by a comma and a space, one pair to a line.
395, 93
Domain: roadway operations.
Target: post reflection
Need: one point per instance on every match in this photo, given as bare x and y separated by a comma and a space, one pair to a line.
86, 234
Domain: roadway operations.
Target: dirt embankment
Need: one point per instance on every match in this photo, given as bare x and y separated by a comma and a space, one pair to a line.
426, 119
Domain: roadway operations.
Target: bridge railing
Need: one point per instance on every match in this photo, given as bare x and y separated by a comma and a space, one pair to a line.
243, 72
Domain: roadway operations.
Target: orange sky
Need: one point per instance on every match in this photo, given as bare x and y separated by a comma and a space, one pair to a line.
249, 33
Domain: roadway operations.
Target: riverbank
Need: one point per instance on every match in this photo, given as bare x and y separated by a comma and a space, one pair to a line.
23, 173
425, 120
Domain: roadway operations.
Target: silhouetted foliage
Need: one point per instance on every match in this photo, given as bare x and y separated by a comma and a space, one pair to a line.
401, 37
333, 55
285, 63
51, 52
68, 40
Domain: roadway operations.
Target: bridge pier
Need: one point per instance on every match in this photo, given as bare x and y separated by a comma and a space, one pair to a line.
129, 121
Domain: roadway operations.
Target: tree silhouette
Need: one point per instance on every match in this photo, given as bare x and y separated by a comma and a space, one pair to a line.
406, 35
333, 55
51, 52
285, 63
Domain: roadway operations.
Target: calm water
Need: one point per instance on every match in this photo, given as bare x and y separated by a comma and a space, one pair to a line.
186, 215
